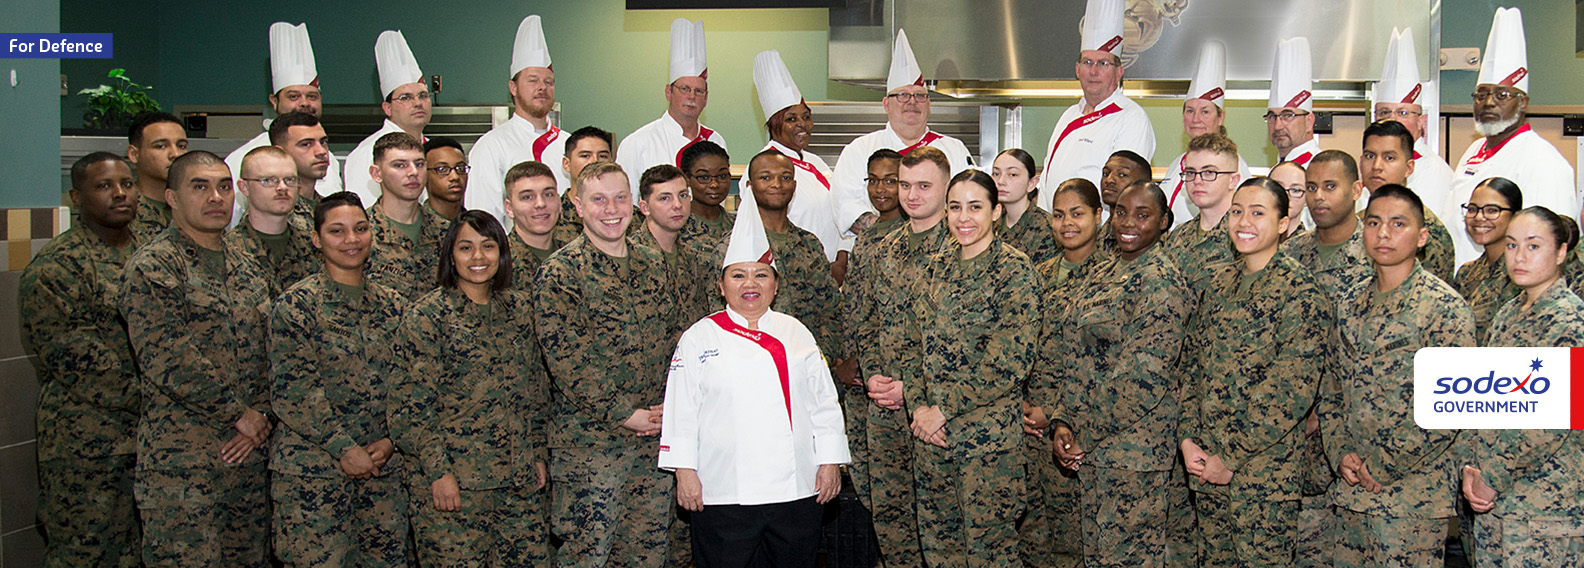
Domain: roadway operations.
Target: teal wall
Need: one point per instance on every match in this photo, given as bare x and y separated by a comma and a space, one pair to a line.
1556, 73
30, 112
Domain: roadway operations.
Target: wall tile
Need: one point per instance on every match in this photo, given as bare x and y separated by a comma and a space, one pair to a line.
18, 401
10, 318
19, 492
24, 549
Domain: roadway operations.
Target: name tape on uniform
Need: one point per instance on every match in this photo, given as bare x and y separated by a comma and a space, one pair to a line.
57, 46
1499, 388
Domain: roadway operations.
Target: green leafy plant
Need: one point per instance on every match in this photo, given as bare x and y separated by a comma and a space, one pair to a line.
113, 106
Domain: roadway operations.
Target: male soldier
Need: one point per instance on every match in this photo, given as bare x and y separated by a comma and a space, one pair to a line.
446, 176
806, 291
1210, 172
528, 134
1400, 491
406, 106
707, 169
153, 141
667, 205
532, 205
663, 140
608, 326
280, 250
303, 138
195, 313
1121, 169
583, 147
1388, 158
406, 235
88, 384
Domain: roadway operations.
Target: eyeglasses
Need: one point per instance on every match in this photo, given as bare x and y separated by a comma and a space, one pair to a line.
446, 170
1502, 95
884, 182
687, 91
1387, 114
1103, 64
909, 97
1207, 175
1296, 193
1285, 116
273, 182
1487, 211
409, 97
706, 178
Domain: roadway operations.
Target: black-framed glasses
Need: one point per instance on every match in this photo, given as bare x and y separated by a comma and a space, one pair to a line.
446, 170
908, 97
1284, 116
273, 182
1501, 95
409, 97
883, 182
706, 178
1400, 114
1207, 175
1486, 211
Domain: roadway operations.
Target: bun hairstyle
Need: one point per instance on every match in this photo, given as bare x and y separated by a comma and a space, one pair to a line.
977, 177
1563, 230
1270, 185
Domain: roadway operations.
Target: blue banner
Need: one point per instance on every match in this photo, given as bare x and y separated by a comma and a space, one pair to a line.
56, 46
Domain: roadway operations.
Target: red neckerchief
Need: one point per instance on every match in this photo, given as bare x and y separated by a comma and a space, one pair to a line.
1487, 152
543, 141
1180, 179
1073, 126
704, 134
807, 167
1303, 159
768, 343
925, 141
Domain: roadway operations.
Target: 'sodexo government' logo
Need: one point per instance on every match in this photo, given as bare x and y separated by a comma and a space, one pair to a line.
1499, 388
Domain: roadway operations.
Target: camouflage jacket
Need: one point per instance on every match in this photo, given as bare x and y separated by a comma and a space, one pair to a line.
1200, 254
201, 338
297, 261
526, 260
473, 401
805, 288
697, 280
331, 365
876, 233
1032, 235
970, 337
1052, 367
705, 238
411, 269
607, 327
1484, 284
1340, 274
569, 225
1249, 374
1366, 404
151, 220
1573, 271
1437, 255
70, 299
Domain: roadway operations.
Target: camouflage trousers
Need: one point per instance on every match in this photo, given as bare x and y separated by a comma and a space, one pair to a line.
1527, 542
1051, 534
1246, 532
891, 501
968, 507
335, 521
855, 413
1317, 531
205, 518
1182, 521
498, 528
1124, 516
1371, 540
679, 535
610, 507
87, 512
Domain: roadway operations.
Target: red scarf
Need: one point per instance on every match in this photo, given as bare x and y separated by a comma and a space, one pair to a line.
1487, 151
704, 134
543, 141
768, 343
1073, 126
925, 141
807, 167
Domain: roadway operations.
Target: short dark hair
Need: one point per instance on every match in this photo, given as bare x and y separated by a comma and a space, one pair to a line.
1156, 194
767, 153
442, 142
692, 154
1507, 189
179, 166
1138, 161
656, 175
283, 124
144, 120
79, 168
1349, 165
928, 154
1085, 189
1403, 193
1391, 128
395, 141
488, 227
977, 177
528, 169
884, 154
590, 132
1269, 185
341, 198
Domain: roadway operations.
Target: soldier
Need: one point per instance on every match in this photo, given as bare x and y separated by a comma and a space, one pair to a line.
303, 138
1398, 496
606, 322
1483, 282
1121, 169
583, 147
534, 210
806, 289
88, 401
1249, 378
707, 169
406, 234
195, 312
336, 482
471, 409
1209, 173
881, 181
446, 176
1524, 483
281, 250
1291, 177
1014, 175
154, 140
1388, 157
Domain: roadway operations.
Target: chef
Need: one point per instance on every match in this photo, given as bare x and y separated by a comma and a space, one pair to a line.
662, 141
1401, 97
528, 134
406, 108
1104, 121
1289, 118
1204, 111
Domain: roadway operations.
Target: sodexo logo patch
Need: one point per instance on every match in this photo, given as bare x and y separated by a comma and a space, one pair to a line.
1499, 388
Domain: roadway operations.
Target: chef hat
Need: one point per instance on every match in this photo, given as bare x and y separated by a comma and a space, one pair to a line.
1400, 75
905, 69
687, 50
1291, 77
748, 241
777, 91
1102, 26
291, 56
529, 50
1209, 79
1506, 60
396, 63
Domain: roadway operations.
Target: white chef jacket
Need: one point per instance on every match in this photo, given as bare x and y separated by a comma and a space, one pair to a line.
1183, 209
357, 178
852, 194
1117, 123
330, 184
659, 142
513, 142
1431, 180
1544, 176
728, 416
1301, 153
813, 206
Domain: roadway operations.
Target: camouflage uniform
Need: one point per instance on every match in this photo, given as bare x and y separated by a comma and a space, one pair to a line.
1573, 271
331, 362
285, 261
1032, 235
1111, 357
697, 279
608, 327
1249, 378
704, 237
88, 402
526, 260
1437, 255
410, 268
1538, 518
151, 220
971, 335
569, 225
1363, 410
805, 288
858, 338
473, 404
196, 319
1485, 285
1198, 252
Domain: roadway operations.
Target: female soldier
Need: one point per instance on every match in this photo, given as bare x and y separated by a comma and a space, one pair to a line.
337, 483
1025, 227
1484, 281
1249, 377
1291, 176
472, 410
1524, 484
972, 327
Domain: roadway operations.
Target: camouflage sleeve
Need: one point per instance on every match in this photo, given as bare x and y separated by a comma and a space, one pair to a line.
857, 304
1008, 352
73, 349
1045, 375
564, 331
828, 333
1331, 403
1141, 380
536, 384
1504, 455
1191, 423
414, 418
168, 356
298, 395
1288, 384
1408, 446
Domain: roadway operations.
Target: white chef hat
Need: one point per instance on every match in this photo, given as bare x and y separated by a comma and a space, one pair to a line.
1506, 60
905, 69
529, 50
1400, 74
1291, 77
1101, 28
687, 50
291, 56
776, 88
748, 241
396, 63
1209, 79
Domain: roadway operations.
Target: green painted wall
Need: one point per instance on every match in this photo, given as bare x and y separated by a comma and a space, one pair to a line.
1556, 73
29, 112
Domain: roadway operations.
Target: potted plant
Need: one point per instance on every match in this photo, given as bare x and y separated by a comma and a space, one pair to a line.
111, 107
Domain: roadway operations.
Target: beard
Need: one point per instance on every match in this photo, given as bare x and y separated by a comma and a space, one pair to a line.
1489, 129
